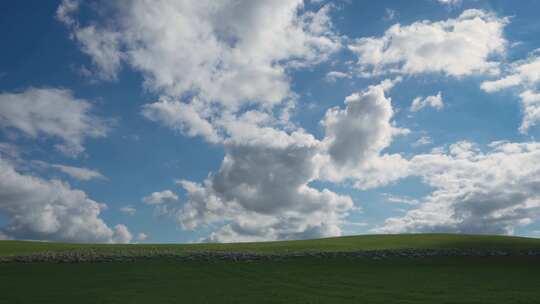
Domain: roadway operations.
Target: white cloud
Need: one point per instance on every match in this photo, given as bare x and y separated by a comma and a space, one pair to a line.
455, 47
524, 75
128, 210
121, 234
390, 14
450, 2
262, 191
333, 76
208, 60
64, 11
142, 236
422, 141
400, 199
51, 210
160, 197
232, 52
357, 134
182, 117
475, 192
434, 101
379, 171
79, 173
530, 102
55, 113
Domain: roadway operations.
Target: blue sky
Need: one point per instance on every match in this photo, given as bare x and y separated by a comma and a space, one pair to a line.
174, 121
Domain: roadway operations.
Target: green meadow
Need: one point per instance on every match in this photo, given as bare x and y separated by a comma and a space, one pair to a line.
302, 279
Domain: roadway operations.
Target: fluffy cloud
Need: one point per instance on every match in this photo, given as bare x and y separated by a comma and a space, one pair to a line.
262, 192
51, 113
521, 73
51, 210
231, 51
525, 75
360, 130
208, 60
475, 192
356, 135
530, 102
160, 197
434, 101
455, 47
121, 234
183, 117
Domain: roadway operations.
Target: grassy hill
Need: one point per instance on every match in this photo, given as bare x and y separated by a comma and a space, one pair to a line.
347, 243
508, 279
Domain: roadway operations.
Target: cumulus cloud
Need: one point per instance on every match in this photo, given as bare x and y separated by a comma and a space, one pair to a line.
455, 47
65, 10
183, 117
434, 101
530, 102
521, 73
356, 135
51, 210
161, 197
361, 129
475, 192
524, 75
209, 61
142, 236
262, 191
49, 112
121, 234
231, 51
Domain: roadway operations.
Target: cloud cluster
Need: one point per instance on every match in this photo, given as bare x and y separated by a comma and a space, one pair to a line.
222, 72
231, 52
434, 101
455, 47
207, 60
55, 113
161, 197
524, 75
475, 192
41, 209
262, 190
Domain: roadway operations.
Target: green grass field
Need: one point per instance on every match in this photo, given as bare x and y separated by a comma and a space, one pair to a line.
294, 280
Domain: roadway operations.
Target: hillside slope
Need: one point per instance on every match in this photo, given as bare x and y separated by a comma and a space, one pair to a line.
347, 243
